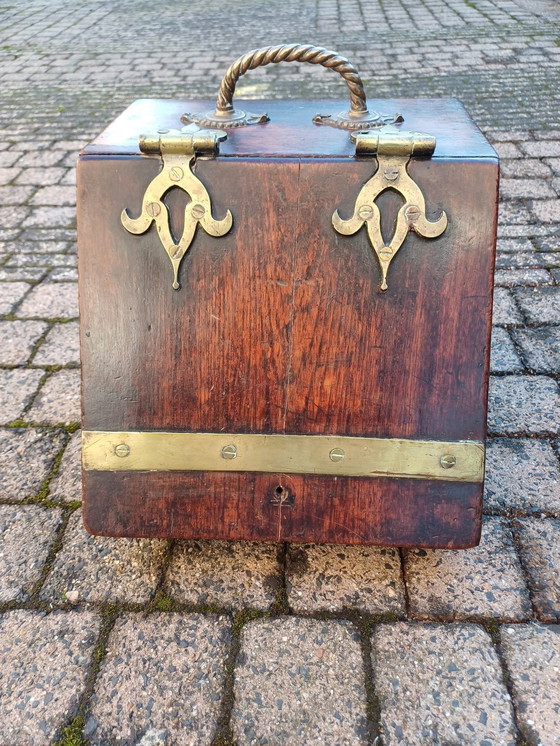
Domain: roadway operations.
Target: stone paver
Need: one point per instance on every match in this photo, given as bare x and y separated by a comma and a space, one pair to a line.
540, 550
45, 660
504, 310
232, 574
503, 355
21, 527
522, 474
58, 401
67, 484
440, 685
17, 339
299, 681
26, 457
532, 654
163, 673
485, 581
540, 306
16, 389
11, 293
540, 348
327, 578
523, 404
52, 301
96, 570
61, 346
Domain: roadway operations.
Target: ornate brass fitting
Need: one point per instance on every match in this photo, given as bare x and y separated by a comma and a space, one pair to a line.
178, 149
393, 150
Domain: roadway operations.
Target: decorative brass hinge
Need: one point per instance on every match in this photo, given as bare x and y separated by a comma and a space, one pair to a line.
393, 149
455, 461
178, 149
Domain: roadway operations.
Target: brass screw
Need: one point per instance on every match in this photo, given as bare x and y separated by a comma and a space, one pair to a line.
391, 174
386, 252
412, 213
176, 173
365, 212
448, 461
229, 452
198, 211
153, 209
337, 454
122, 450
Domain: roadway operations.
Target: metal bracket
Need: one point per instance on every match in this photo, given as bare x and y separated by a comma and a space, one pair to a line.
393, 149
178, 149
452, 461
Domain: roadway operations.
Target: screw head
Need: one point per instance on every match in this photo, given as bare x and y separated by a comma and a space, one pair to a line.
337, 454
412, 213
176, 173
153, 209
122, 450
365, 212
198, 211
229, 452
391, 174
448, 461
386, 252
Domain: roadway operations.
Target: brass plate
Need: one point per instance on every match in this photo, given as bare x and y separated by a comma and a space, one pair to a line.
460, 461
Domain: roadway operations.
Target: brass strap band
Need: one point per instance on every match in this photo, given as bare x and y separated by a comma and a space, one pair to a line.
459, 461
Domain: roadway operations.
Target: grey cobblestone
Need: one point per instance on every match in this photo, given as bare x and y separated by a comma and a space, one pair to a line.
327, 578
58, 401
51, 300
16, 389
532, 653
299, 681
486, 581
522, 474
10, 294
45, 660
540, 348
21, 525
440, 684
540, 550
162, 672
67, 484
103, 570
61, 346
17, 339
232, 574
523, 404
503, 355
26, 457
505, 311
540, 307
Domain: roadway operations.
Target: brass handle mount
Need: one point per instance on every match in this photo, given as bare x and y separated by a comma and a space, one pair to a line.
356, 118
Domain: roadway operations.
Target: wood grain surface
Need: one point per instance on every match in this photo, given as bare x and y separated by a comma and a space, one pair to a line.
280, 327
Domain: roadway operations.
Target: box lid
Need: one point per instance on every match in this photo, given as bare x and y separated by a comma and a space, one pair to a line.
291, 132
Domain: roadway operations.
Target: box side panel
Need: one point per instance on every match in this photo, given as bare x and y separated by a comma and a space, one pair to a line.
411, 361
280, 327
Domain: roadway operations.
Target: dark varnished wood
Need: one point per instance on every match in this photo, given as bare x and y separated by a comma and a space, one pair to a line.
280, 327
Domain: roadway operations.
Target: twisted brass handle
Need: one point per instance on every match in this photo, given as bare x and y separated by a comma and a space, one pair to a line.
292, 53
225, 116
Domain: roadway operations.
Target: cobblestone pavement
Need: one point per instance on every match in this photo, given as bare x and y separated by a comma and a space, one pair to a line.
108, 641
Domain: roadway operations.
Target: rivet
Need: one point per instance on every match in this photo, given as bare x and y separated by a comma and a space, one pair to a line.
412, 213
229, 452
448, 461
153, 209
337, 454
176, 173
122, 450
198, 211
365, 212
391, 174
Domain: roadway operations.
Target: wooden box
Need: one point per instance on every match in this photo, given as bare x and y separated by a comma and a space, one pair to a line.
373, 401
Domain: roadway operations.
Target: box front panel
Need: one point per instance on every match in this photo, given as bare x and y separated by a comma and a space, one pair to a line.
280, 327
